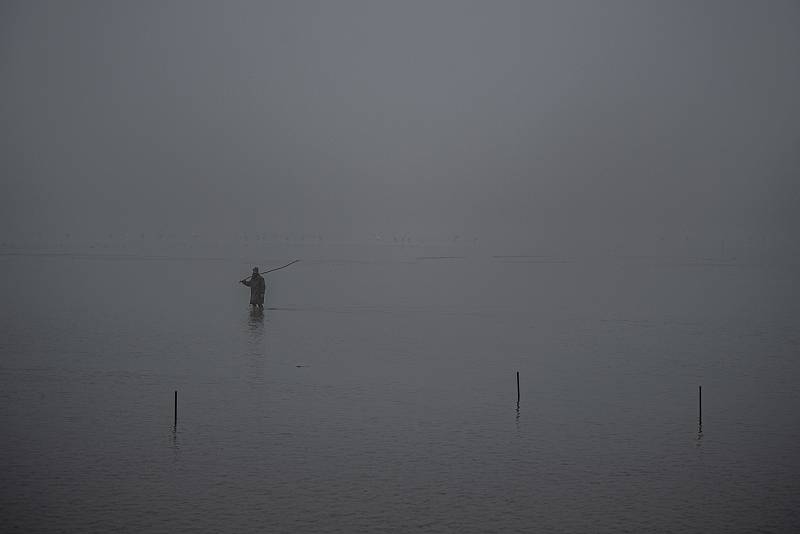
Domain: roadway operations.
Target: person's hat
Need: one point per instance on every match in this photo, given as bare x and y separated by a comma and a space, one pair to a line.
255, 269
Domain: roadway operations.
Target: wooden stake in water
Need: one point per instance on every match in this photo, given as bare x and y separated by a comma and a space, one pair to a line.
175, 420
517, 387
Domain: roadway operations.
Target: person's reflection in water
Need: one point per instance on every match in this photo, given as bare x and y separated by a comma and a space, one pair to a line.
255, 325
255, 346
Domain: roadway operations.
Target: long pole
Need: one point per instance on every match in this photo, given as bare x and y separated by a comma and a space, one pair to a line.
517, 387
175, 420
276, 268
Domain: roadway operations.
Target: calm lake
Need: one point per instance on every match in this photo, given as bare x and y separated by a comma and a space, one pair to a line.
377, 393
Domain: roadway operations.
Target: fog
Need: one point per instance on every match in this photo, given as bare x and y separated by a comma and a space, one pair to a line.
547, 273
592, 125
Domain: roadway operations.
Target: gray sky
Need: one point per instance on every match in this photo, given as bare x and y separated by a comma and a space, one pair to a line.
584, 121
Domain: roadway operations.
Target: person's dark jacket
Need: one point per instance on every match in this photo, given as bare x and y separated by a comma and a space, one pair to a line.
258, 287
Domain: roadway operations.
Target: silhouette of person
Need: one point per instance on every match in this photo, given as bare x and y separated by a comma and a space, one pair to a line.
258, 287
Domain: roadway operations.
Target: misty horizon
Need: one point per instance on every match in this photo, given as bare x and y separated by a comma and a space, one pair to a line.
571, 122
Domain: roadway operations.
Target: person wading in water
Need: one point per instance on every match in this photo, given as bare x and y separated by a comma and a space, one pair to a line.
258, 287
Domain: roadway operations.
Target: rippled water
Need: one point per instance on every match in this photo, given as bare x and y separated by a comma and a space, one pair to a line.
377, 393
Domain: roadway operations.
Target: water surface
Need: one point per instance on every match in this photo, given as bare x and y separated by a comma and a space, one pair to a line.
377, 393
